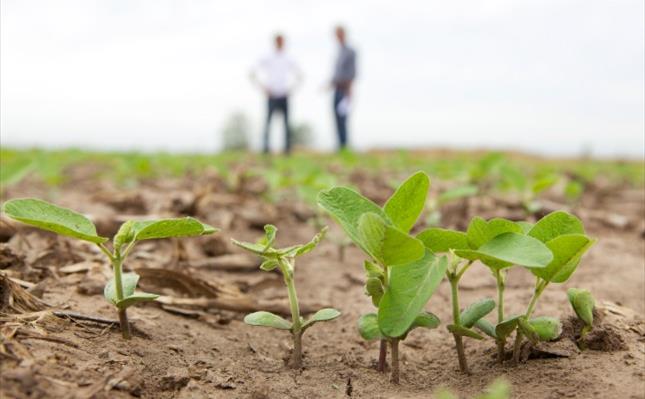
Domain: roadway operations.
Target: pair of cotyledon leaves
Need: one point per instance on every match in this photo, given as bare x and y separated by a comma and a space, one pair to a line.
383, 234
536, 329
272, 258
540, 328
69, 223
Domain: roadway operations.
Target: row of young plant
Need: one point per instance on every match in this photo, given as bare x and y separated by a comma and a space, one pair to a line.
120, 290
402, 271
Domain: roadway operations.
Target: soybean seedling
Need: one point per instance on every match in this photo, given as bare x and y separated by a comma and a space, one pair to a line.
440, 240
499, 244
284, 260
583, 304
402, 274
565, 237
120, 289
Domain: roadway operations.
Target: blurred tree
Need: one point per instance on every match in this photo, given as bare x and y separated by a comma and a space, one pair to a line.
302, 135
235, 134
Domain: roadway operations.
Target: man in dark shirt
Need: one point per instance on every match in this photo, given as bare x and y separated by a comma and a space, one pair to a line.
344, 75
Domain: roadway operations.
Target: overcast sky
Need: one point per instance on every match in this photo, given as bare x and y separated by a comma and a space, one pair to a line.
547, 76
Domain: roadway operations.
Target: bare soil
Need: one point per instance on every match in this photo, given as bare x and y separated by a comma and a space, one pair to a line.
200, 348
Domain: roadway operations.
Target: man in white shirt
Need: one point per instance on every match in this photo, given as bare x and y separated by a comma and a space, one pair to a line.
277, 75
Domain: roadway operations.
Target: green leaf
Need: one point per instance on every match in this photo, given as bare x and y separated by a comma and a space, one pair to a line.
486, 327
136, 298
374, 288
166, 228
258, 249
408, 201
555, 224
269, 236
582, 303
508, 249
410, 288
368, 327
373, 270
346, 206
456, 193
129, 282
480, 232
53, 218
547, 328
269, 264
499, 389
267, 319
573, 190
124, 235
13, 172
303, 249
527, 329
463, 331
386, 244
443, 240
567, 250
506, 327
425, 320
476, 311
321, 315
543, 183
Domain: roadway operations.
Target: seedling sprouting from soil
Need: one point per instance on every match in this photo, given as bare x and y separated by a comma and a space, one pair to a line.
284, 260
402, 274
565, 237
441, 240
498, 244
583, 304
120, 289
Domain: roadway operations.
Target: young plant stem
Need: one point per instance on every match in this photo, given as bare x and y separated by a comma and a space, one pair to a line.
517, 345
125, 325
296, 329
395, 360
382, 356
117, 266
454, 281
499, 276
582, 344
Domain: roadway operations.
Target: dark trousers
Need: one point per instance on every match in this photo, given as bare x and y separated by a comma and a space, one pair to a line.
280, 104
341, 120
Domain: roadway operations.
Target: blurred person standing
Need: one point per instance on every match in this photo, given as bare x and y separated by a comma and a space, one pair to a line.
343, 77
277, 75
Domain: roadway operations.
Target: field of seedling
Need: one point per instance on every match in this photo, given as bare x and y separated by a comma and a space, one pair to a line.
430, 274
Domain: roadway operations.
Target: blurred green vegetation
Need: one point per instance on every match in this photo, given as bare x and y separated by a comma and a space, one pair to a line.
307, 173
